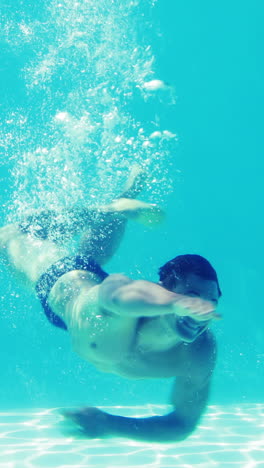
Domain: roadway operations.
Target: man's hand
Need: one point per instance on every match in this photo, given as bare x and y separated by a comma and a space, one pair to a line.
92, 423
194, 307
89, 422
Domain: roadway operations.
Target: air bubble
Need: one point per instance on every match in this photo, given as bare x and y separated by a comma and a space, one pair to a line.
155, 85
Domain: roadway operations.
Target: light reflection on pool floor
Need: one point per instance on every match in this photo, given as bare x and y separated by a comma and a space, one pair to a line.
228, 436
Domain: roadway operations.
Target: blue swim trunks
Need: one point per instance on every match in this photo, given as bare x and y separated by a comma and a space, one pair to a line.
54, 272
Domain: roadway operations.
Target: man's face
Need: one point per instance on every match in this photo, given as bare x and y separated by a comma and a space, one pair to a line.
195, 286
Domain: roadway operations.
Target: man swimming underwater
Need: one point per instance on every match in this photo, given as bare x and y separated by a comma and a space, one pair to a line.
132, 328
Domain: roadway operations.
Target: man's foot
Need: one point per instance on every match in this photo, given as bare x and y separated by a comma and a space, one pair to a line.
144, 213
135, 183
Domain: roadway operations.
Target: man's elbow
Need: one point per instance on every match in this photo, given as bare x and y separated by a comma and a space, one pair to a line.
180, 428
188, 428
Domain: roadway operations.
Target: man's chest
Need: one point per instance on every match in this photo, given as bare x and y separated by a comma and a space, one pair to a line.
181, 360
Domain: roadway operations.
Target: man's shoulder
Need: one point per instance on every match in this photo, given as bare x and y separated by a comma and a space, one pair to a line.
205, 343
195, 360
201, 356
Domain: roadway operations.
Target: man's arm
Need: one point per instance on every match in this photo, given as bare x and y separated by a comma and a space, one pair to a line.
139, 298
189, 399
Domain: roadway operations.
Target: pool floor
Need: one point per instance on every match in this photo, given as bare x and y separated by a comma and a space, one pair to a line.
228, 436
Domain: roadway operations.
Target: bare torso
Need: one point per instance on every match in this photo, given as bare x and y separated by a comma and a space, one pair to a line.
131, 347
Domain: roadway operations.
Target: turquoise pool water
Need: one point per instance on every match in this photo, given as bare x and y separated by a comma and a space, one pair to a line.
87, 90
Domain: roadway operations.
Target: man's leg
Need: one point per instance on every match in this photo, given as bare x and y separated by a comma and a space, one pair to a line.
107, 227
27, 256
103, 226
60, 226
31, 248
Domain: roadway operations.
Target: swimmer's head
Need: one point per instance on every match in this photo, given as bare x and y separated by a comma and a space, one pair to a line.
191, 275
177, 269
